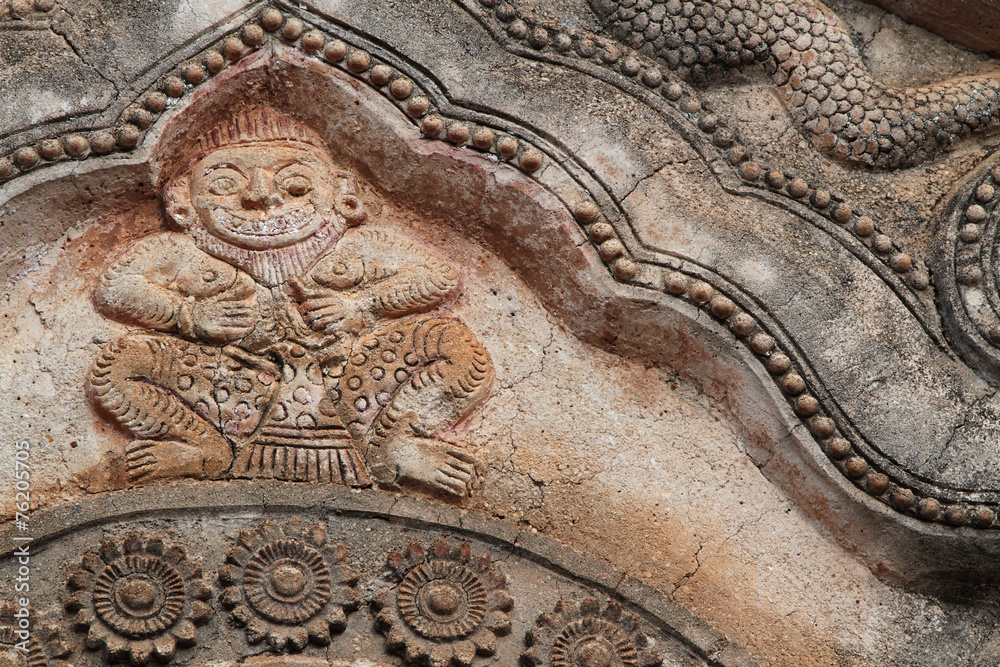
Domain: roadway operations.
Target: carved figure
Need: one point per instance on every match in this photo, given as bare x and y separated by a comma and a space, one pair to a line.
280, 339
821, 77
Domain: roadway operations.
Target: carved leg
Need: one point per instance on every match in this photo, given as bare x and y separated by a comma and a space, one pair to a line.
404, 385
137, 379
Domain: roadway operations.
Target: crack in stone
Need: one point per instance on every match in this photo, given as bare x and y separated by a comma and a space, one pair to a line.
64, 34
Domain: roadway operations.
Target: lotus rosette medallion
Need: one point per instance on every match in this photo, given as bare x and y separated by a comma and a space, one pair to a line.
287, 585
446, 608
588, 633
138, 599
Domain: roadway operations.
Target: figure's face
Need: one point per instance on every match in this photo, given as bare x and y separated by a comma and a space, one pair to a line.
263, 196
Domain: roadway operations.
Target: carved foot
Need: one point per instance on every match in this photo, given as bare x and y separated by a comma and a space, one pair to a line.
149, 460
431, 463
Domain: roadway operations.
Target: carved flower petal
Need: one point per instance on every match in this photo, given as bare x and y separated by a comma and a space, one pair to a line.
140, 652
84, 618
319, 631
385, 618
465, 653
185, 632
200, 590
439, 655
239, 556
337, 619
298, 637
650, 659
230, 574
270, 530
257, 631
346, 575
96, 636
485, 641
317, 535
348, 598
242, 615
231, 597
78, 579
383, 598
164, 647
397, 638
250, 539
501, 600
416, 650
498, 622
116, 646
110, 551
277, 638
199, 612
92, 562
531, 656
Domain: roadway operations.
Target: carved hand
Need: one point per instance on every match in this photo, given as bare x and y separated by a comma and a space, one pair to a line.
223, 318
333, 313
330, 311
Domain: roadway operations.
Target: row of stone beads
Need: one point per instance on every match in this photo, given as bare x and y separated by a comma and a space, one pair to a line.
613, 55
976, 213
402, 91
137, 117
603, 236
832, 207
741, 323
653, 77
807, 407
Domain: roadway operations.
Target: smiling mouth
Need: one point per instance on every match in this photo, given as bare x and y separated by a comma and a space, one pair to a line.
291, 221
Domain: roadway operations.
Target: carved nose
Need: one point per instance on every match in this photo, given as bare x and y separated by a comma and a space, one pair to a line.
258, 194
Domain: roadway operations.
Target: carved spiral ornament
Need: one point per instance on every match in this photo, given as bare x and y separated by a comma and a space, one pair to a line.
138, 600
442, 600
287, 581
139, 596
446, 607
593, 642
589, 634
285, 585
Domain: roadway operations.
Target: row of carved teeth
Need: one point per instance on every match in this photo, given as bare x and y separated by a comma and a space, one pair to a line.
631, 65
807, 407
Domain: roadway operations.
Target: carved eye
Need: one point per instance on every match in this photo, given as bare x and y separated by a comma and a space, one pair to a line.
297, 185
223, 185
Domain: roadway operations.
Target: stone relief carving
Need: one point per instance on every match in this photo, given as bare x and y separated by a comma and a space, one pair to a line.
820, 75
313, 594
246, 407
287, 586
589, 633
282, 340
138, 600
447, 608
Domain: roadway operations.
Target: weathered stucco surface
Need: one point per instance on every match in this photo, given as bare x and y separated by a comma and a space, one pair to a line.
738, 345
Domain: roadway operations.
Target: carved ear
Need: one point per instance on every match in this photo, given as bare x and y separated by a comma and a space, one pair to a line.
177, 202
346, 204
